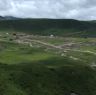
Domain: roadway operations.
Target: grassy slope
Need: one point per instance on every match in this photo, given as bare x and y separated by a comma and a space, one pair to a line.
59, 27
48, 74
32, 71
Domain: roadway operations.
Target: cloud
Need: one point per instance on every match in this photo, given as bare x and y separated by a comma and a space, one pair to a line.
73, 9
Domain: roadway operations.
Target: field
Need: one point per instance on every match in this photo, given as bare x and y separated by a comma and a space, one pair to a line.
47, 57
47, 65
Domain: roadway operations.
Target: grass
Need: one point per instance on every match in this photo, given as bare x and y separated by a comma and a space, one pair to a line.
34, 71
34, 79
48, 39
14, 54
57, 27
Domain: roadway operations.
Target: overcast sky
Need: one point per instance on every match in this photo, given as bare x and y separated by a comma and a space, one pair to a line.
73, 9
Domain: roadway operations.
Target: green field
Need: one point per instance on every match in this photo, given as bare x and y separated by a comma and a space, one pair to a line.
47, 57
28, 70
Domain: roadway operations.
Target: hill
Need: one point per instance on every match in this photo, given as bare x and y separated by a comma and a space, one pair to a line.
8, 18
45, 65
34, 71
57, 27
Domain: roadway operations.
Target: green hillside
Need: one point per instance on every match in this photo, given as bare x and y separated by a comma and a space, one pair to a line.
23, 71
57, 27
34, 63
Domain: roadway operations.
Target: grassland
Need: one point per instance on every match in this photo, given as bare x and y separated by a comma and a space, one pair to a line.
47, 57
45, 70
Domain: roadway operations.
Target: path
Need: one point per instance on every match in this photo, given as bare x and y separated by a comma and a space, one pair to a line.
37, 41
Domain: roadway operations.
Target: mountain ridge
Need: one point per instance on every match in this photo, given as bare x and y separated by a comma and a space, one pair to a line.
8, 18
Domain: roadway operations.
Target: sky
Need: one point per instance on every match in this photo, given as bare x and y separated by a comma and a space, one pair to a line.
62, 9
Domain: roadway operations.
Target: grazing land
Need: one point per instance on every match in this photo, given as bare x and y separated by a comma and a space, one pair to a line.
57, 63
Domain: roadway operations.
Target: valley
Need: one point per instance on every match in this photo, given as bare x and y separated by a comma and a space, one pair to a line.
47, 57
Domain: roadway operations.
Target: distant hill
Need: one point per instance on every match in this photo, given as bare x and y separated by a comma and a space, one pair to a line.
1, 18
8, 18
57, 27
